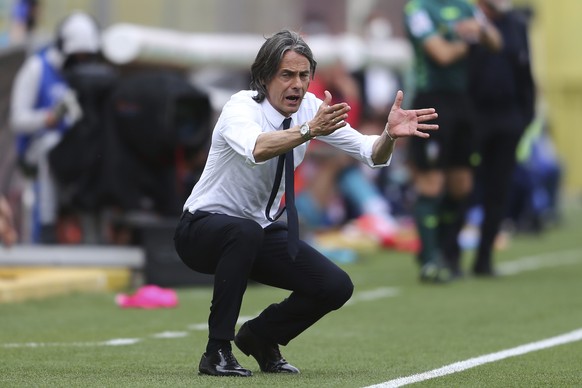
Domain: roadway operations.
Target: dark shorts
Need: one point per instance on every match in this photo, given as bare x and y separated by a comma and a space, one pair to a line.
454, 142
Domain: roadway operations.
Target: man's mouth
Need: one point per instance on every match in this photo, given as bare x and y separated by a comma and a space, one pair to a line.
293, 98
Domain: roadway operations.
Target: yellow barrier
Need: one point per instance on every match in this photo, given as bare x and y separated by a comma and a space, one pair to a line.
19, 284
557, 61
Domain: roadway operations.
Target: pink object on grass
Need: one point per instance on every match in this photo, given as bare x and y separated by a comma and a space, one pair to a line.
148, 297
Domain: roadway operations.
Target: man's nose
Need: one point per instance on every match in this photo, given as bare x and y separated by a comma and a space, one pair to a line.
297, 82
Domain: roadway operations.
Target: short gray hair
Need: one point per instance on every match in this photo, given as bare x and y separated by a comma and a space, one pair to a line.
269, 58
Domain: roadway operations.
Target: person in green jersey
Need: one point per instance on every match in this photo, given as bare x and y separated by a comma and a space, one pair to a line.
441, 33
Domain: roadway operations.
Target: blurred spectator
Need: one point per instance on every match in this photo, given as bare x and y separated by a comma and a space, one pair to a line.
24, 19
536, 181
441, 33
8, 234
503, 92
43, 108
159, 130
81, 185
378, 83
336, 188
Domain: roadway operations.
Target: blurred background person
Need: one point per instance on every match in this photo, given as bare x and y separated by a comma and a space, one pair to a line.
378, 83
332, 189
43, 108
23, 20
536, 184
336, 189
502, 88
8, 234
441, 33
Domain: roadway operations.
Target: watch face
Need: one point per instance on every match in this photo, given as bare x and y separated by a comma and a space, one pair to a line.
304, 130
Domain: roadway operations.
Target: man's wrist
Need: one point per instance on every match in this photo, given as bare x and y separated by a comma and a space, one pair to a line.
392, 139
305, 131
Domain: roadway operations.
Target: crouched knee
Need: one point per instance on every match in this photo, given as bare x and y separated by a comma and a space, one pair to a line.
339, 290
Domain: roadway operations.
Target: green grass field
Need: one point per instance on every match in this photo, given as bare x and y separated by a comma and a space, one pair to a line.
393, 327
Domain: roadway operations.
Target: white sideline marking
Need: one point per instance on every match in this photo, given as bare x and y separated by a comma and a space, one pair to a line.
113, 342
204, 326
171, 334
460, 366
533, 263
362, 296
378, 293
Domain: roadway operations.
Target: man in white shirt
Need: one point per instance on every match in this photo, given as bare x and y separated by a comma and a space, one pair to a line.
43, 107
226, 230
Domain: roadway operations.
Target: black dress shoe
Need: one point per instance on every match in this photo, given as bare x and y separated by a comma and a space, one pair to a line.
222, 363
267, 354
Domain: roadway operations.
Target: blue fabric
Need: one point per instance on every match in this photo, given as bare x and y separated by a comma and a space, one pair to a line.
357, 189
50, 91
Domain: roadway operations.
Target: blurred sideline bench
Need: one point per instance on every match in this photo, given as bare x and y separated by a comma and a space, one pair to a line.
40, 271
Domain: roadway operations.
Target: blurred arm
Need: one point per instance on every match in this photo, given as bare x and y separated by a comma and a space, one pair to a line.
23, 117
444, 52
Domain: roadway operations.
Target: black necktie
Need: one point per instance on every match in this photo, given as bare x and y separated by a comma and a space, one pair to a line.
292, 218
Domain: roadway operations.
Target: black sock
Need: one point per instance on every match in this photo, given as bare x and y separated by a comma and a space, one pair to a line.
426, 218
452, 220
214, 345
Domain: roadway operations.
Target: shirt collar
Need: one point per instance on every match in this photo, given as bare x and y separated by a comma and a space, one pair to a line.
274, 117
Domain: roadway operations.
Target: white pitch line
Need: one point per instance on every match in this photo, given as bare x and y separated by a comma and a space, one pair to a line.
171, 334
378, 293
546, 260
362, 296
460, 366
112, 342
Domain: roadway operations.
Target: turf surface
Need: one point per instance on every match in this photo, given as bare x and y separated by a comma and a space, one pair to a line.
393, 327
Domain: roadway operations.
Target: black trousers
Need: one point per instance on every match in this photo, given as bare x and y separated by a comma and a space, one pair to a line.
236, 250
498, 140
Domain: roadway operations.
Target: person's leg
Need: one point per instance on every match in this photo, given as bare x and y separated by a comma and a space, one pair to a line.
452, 215
226, 247
318, 286
459, 150
427, 158
498, 163
428, 186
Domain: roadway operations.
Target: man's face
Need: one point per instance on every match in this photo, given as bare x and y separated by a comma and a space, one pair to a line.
287, 88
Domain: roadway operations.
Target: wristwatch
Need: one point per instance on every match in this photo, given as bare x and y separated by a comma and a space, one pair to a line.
305, 131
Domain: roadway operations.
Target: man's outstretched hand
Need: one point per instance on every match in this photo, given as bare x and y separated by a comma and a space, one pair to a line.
403, 123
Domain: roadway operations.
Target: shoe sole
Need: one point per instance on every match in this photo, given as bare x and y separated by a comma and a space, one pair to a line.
232, 374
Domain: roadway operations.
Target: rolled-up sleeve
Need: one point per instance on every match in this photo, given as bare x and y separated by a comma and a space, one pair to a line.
240, 127
357, 145
24, 118
366, 151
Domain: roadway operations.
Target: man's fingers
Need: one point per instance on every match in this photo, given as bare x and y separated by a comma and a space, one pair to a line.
398, 100
425, 111
432, 116
327, 99
429, 127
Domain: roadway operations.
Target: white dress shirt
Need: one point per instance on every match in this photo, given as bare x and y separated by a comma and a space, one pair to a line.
24, 117
232, 182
